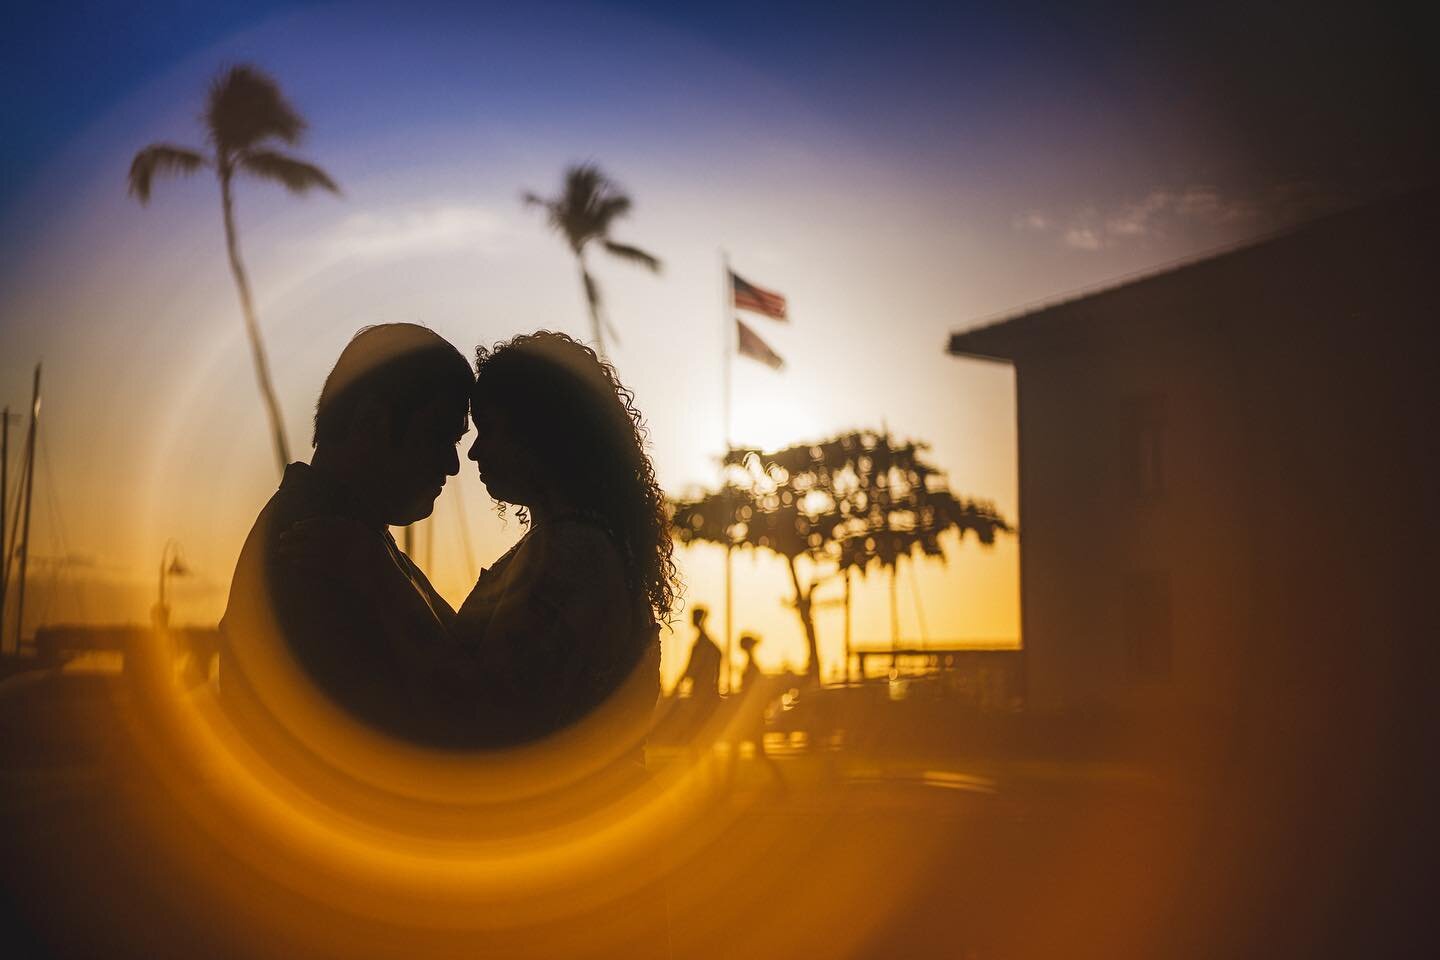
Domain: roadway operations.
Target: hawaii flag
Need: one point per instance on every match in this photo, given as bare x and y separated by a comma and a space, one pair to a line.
750, 297
749, 344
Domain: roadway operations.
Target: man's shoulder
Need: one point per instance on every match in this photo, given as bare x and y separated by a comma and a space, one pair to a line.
299, 497
289, 504
296, 499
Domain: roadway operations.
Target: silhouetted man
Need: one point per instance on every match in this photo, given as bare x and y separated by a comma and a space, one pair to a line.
386, 426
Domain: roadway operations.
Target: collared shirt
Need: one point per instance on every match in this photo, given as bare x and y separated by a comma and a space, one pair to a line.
337, 635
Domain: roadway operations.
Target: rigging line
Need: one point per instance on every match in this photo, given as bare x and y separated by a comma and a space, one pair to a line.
57, 523
56, 520
19, 495
49, 597
55, 560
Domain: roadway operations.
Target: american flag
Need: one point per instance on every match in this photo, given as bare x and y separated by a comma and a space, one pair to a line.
749, 344
750, 297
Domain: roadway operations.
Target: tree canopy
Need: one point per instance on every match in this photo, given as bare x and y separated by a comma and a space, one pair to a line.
853, 499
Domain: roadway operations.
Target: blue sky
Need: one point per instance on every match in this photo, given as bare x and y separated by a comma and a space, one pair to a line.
1325, 90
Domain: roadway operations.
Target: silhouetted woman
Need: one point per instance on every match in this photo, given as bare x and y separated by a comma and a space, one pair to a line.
570, 614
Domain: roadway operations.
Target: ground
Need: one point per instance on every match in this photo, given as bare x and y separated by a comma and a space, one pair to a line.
858, 851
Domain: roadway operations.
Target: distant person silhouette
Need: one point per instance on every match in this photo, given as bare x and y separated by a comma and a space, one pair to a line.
703, 667
757, 692
568, 616
386, 428
751, 677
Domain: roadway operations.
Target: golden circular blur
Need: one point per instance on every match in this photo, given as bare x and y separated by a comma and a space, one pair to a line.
387, 829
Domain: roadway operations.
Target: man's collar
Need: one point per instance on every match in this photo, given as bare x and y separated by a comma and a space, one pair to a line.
333, 495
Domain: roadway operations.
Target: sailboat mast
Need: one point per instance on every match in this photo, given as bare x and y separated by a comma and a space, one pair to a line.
4, 493
29, 496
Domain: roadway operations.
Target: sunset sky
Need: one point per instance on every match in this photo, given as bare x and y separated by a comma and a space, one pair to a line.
897, 172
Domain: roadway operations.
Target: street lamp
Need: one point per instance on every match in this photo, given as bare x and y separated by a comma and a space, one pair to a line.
175, 567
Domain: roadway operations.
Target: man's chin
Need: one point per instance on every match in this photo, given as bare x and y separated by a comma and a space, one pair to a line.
414, 513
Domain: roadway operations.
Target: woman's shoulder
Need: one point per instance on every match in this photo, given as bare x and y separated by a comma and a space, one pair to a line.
574, 539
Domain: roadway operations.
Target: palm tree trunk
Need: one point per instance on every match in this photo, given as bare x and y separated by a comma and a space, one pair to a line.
592, 298
807, 620
252, 326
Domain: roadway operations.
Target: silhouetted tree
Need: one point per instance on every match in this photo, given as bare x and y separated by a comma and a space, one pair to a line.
588, 204
853, 500
244, 113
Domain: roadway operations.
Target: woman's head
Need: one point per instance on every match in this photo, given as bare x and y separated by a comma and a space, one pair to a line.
554, 423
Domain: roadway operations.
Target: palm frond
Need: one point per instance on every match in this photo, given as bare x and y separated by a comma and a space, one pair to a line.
589, 202
611, 206
245, 107
633, 254
296, 175
583, 182
592, 290
576, 224
163, 159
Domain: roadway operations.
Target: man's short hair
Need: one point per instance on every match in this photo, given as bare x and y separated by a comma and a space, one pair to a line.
400, 365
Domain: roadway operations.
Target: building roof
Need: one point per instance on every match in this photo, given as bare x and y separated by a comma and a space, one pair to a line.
1007, 336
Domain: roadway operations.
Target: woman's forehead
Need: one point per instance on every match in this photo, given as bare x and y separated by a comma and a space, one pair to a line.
488, 414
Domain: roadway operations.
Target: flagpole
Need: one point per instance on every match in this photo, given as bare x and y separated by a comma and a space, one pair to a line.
727, 329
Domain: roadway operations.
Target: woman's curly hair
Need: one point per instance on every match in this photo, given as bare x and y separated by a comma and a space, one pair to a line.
582, 421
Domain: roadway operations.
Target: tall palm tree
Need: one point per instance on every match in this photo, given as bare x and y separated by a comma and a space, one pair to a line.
589, 202
245, 113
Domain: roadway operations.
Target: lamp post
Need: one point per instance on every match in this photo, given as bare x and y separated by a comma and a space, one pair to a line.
175, 567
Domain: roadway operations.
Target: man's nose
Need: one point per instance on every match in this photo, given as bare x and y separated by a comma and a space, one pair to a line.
452, 463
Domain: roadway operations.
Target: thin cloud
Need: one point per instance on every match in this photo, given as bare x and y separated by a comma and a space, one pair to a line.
1161, 213
442, 229
1083, 238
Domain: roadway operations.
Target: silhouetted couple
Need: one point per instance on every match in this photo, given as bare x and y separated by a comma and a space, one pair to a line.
563, 622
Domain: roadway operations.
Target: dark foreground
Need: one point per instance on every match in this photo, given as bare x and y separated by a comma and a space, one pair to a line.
949, 849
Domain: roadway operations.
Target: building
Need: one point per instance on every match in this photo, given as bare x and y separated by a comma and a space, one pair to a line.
1228, 494
1226, 470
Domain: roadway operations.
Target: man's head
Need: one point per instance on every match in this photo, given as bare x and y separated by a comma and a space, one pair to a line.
698, 616
390, 415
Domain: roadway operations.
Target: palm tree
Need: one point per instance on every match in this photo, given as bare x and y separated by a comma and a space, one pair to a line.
245, 113
589, 202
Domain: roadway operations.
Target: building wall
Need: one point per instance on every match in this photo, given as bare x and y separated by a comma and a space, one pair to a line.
1133, 517
1300, 524
1291, 389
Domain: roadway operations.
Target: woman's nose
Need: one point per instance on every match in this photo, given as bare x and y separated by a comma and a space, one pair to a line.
474, 452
